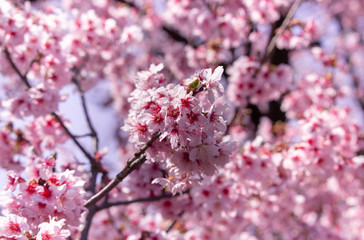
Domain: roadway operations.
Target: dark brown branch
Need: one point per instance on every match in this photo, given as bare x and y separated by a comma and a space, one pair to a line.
83, 150
272, 44
31, 145
174, 222
23, 77
172, 33
129, 4
39, 56
93, 162
178, 37
95, 166
137, 200
175, 35
132, 164
86, 113
119, 178
83, 135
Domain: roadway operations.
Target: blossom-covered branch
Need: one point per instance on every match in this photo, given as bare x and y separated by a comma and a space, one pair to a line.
132, 164
252, 107
55, 115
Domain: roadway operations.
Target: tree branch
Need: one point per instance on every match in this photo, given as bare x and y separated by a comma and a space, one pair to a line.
83, 150
86, 112
132, 164
83, 135
129, 4
172, 33
36, 59
94, 165
272, 44
23, 77
174, 221
137, 200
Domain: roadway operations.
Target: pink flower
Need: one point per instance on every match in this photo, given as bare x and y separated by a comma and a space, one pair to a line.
13, 227
52, 230
215, 118
151, 78
215, 88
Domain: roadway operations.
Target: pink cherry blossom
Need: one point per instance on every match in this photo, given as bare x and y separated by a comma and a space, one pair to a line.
52, 230
239, 119
13, 227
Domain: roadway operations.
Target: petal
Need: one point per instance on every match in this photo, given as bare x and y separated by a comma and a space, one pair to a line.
193, 154
216, 76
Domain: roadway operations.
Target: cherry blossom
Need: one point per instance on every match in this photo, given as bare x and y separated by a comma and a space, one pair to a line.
225, 119
52, 230
13, 227
175, 112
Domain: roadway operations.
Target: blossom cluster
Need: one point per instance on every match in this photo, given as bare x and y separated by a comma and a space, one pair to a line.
10, 145
16, 227
252, 83
271, 148
47, 193
189, 121
299, 34
45, 133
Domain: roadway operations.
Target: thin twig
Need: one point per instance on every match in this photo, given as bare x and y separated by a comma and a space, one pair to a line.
83, 150
132, 164
92, 160
119, 178
31, 145
23, 77
169, 30
274, 36
94, 165
83, 135
128, 3
36, 59
177, 36
86, 113
272, 44
137, 200
174, 221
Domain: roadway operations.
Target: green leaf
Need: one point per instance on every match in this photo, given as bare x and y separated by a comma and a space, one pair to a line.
193, 85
